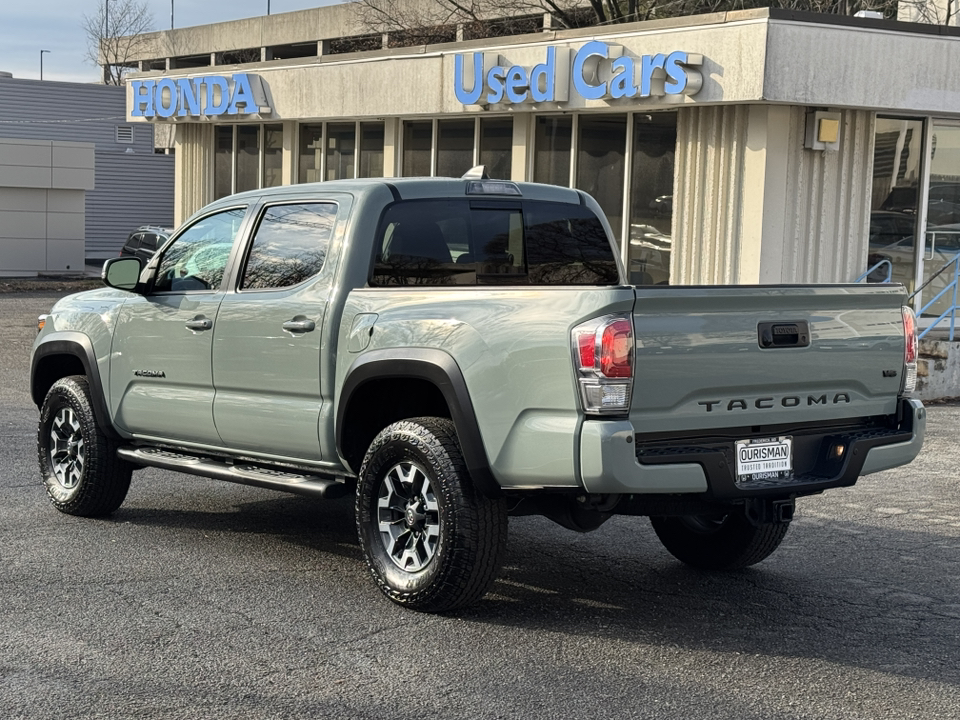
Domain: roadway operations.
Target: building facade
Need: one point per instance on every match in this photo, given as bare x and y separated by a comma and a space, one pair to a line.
760, 146
75, 176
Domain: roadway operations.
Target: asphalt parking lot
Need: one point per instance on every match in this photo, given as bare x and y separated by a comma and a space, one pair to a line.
200, 599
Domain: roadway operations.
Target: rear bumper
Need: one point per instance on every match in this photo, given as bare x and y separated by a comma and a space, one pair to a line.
610, 462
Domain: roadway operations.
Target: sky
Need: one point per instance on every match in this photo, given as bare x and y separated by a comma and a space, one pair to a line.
29, 26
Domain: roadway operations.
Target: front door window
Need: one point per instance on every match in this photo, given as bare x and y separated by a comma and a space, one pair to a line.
198, 257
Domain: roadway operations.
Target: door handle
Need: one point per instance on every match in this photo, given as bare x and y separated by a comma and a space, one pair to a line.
299, 326
200, 323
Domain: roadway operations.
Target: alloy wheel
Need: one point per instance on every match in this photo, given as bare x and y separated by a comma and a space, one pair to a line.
408, 517
66, 448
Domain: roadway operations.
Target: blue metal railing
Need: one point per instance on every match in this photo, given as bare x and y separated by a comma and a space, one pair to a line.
872, 268
950, 290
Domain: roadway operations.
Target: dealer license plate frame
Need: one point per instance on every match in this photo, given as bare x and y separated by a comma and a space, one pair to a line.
772, 468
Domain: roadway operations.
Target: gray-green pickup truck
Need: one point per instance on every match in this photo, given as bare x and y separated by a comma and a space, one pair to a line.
456, 351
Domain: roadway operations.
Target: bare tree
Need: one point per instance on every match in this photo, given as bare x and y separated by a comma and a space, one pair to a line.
115, 36
427, 21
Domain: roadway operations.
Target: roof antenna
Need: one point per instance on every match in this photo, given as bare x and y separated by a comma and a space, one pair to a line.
476, 173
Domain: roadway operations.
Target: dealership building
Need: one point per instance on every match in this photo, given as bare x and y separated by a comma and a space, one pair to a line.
759, 146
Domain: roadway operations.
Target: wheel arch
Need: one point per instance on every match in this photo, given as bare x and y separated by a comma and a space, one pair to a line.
409, 382
61, 355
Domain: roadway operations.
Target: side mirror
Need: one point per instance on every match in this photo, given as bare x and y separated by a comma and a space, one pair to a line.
122, 273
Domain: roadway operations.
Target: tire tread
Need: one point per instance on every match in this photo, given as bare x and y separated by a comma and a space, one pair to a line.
479, 534
106, 478
733, 546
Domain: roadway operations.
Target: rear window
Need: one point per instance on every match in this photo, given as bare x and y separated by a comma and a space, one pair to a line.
133, 242
492, 242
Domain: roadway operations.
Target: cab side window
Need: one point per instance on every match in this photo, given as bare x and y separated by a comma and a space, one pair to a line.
289, 246
198, 257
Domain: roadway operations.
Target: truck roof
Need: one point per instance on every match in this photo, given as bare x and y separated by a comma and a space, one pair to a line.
410, 188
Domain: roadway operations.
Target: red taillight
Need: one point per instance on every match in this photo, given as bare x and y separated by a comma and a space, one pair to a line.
616, 350
910, 350
603, 353
910, 335
587, 349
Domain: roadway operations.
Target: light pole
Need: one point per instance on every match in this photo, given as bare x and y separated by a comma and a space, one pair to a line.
41, 62
171, 14
268, 7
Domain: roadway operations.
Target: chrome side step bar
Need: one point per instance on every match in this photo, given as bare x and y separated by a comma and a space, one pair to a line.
292, 481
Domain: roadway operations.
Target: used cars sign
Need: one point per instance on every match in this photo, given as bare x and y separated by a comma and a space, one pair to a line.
597, 71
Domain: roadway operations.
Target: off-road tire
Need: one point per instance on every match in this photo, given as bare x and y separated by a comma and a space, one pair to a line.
98, 483
730, 543
469, 529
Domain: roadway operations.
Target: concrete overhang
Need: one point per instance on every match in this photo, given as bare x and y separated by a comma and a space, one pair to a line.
749, 57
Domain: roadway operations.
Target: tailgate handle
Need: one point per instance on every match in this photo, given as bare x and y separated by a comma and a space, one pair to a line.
773, 335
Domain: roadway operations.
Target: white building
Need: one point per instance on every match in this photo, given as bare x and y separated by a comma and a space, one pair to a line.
75, 176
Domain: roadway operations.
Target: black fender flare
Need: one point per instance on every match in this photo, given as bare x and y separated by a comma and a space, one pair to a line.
440, 369
79, 346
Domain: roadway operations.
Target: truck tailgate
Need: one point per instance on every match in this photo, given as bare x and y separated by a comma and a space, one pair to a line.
709, 358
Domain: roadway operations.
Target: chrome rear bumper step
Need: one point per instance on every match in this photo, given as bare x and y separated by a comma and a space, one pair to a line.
291, 481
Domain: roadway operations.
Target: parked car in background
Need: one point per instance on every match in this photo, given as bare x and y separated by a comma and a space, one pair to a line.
649, 255
144, 241
943, 201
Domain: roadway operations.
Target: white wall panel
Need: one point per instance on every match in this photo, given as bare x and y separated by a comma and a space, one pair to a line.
751, 205
708, 195
194, 170
828, 203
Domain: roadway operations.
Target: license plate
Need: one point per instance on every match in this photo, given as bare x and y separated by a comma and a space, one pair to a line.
765, 459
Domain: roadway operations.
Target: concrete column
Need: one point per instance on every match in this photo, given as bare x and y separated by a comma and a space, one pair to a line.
391, 147
323, 48
751, 205
194, 169
828, 202
763, 213
522, 142
708, 191
289, 166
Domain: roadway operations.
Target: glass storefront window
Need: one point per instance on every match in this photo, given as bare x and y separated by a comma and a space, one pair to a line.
248, 158
651, 197
897, 168
341, 147
311, 149
552, 144
454, 147
602, 142
496, 146
223, 161
941, 237
371, 149
272, 155
417, 148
